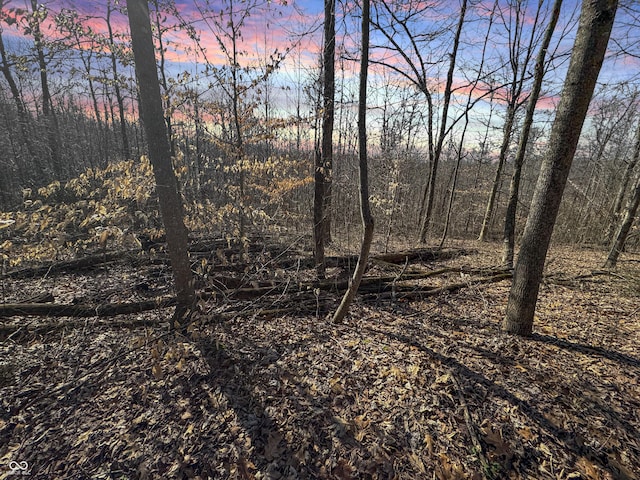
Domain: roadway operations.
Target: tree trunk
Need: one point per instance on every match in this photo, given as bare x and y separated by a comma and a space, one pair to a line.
596, 21
163, 75
6, 71
514, 187
126, 150
169, 199
324, 157
519, 70
328, 112
23, 118
506, 140
47, 103
365, 208
623, 232
617, 207
431, 185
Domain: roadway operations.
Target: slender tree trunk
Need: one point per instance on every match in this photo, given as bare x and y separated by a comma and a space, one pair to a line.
15, 94
328, 112
514, 187
163, 77
519, 72
47, 103
6, 72
454, 182
126, 150
431, 185
596, 21
630, 214
238, 136
504, 147
626, 177
169, 199
324, 157
460, 152
365, 208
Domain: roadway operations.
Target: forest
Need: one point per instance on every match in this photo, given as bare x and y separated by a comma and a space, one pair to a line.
293, 239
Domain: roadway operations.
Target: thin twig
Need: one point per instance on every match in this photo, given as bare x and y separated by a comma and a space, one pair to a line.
477, 445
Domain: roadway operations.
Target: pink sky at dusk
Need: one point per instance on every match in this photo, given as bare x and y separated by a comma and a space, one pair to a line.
277, 27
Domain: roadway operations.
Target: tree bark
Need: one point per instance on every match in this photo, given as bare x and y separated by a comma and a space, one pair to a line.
431, 184
15, 94
514, 187
365, 208
519, 72
623, 232
6, 71
617, 207
596, 21
47, 103
169, 199
506, 140
324, 158
126, 150
162, 68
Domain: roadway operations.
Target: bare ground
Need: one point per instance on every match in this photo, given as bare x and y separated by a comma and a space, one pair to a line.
406, 390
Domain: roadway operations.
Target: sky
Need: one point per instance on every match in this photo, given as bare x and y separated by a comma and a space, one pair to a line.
295, 28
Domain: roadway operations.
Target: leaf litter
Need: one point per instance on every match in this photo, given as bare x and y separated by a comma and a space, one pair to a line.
403, 390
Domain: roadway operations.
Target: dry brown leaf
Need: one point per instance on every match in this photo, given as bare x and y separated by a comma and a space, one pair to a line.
272, 449
343, 470
587, 468
417, 462
527, 433
157, 371
493, 437
447, 470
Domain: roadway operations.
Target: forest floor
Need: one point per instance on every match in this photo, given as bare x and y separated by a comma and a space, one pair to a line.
421, 389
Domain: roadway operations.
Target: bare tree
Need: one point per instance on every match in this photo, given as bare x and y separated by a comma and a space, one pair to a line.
514, 186
622, 190
169, 199
324, 158
519, 57
365, 208
460, 147
430, 189
5, 68
596, 21
32, 27
395, 21
114, 50
629, 216
83, 42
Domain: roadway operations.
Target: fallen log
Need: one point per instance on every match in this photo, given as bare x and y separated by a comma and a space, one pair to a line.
80, 310
347, 261
300, 302
368, 284
83, 263
419, 292
46, 297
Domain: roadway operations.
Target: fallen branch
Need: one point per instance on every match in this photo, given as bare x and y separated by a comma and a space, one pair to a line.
84, 263
235, 289
558, 280
419, 292
106, 310
371, 287
46, 297
475, 440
